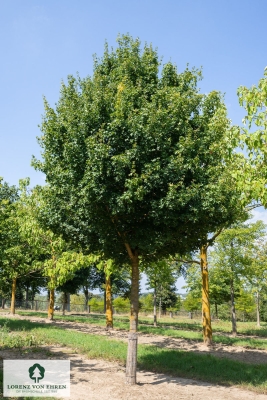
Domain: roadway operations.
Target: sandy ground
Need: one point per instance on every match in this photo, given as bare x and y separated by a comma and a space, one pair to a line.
99, 379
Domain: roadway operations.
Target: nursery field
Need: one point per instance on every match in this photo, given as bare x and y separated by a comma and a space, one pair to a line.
174, 348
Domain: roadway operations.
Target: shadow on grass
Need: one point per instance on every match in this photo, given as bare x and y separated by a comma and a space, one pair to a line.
70, 317
146, 325
203, 367
252, 343
178, 363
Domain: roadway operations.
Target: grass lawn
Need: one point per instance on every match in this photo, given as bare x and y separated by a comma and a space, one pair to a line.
151, 358
185, 330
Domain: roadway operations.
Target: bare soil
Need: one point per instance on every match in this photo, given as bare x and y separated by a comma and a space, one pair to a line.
100, 379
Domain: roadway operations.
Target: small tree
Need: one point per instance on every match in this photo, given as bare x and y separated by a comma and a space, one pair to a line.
192, 303
161, 276
256, 270
231, 256
16, 251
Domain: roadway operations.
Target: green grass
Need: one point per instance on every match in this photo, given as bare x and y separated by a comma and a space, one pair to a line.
189, 331
245, 328
177, 363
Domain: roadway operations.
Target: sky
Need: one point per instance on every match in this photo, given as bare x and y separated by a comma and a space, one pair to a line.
44, 41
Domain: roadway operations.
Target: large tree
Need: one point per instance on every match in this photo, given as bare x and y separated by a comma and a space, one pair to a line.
133, 156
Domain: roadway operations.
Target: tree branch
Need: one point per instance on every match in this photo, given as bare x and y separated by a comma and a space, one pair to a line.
188, 261
129, 250
252, 206
214, 237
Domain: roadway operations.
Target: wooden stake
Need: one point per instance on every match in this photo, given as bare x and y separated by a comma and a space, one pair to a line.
131, 359
132, 343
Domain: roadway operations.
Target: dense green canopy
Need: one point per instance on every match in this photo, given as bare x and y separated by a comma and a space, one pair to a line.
135, 154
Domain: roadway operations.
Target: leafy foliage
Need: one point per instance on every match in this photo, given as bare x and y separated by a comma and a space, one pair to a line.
134, 156
254, 171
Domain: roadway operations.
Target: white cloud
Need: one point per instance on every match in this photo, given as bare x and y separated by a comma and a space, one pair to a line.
259, 214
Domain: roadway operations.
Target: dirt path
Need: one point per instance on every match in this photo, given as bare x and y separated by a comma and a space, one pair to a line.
250, 356
99, 379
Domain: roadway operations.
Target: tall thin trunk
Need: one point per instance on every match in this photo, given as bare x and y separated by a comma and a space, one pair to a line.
13, 296
258, 309
3, 303
233, 316
134, 299
206, 321
32, 299
160, 304
105, 302
109, 313
65, 302
155, 306
68, 301
216, 310
27, 296
86, 295
51, 304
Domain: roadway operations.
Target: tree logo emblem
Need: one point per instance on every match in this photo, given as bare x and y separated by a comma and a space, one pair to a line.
36, 372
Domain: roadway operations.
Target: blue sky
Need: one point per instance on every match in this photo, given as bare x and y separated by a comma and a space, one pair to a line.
43, 41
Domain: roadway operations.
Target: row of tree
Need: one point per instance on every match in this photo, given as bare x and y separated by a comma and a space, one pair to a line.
237, 266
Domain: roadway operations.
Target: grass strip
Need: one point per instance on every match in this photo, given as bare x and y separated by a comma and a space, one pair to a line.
152, 358
252, 343
246, 328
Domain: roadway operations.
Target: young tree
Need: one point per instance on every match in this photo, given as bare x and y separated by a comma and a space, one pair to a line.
54, 256
245, 302
17, 254
231, 255
256, 270
161, 276
192, 303
133, 159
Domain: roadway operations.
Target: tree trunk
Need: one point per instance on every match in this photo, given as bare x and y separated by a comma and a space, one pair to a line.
105, 302
216, 310
26, 296
51, 305
86, 295
160, 307
68, 302
134, 299
109, 312
206, 321
234, 330
33, 294
155, 307
13, 296
65, 302
258, 309
3, 303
